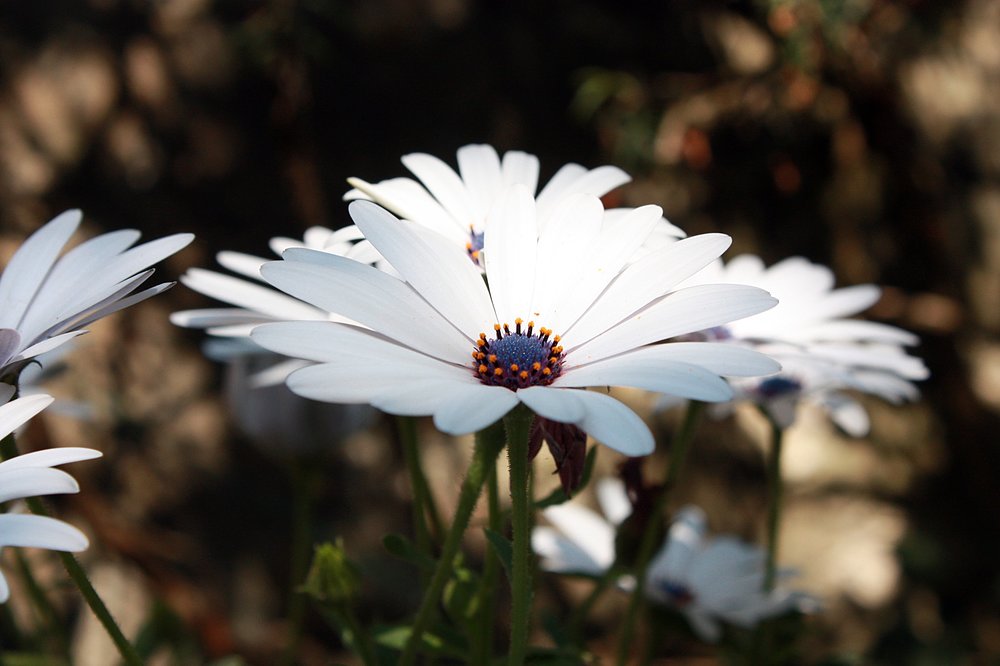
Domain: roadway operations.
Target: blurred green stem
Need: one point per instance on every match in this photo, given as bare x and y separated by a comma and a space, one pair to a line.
424, 507
775, 488
678, 453
489, 443
8, 450
482, 640
302, 500
518, 425
46, 612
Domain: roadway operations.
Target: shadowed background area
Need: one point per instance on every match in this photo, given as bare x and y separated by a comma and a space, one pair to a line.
864, 135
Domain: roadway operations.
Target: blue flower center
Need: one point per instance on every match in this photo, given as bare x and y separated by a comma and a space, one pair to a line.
475, 245
519, 358
679, 595
778, 387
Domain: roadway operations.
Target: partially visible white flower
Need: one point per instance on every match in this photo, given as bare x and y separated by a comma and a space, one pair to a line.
822, 352
256, 302
426, 350
31, 475
47, 300
709, 580
456, 204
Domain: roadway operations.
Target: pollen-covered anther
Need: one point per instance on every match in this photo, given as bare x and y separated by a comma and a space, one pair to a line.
518, 357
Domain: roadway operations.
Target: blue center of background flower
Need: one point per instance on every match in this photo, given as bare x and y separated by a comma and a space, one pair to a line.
519, 358
776, 387
475, 245
679, 595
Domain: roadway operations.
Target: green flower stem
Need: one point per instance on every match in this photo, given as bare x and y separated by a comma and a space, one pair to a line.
647, 546
489, 442
518, 425
775, 489
352, 633
582, 612
8, 449
482, 639
302, 499
424, 507
47, 613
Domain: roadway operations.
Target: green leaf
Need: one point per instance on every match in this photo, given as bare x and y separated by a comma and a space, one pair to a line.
502, 547
439, 642
401, 547
558, 496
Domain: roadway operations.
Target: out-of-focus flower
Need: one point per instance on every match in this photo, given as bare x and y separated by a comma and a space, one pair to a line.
255, 302
572, 277
822, 352
457, 205
261, 405
709, 580
47, 300
31, 475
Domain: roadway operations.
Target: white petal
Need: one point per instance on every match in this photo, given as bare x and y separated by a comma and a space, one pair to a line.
246, 265
253, 297
442, 182
720, 358
4, 589
209, 317
510, 244
469, 407
685, 541
850, 330
59, 455
603, 418
370, 297
15, 414
30, 265
570, 232
117, 304
40, 532
684, 311
10, 342
561, 406
613, 248
649, 373
561, 555
613, 500
587, 530
441, 272
479, 165
34, 482
520, 168
407, 199
48, 345
847, 413
704, 624
648, 279
566, 182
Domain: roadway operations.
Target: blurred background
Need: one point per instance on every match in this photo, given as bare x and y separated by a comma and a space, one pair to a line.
862, 134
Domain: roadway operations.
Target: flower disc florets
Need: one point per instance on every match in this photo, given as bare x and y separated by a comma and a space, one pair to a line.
678, 594
519, 358
475, 245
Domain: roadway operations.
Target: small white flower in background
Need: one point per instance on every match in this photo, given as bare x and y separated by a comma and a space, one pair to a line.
256, 302
31, 475
822, 352
457, 205
709, 579
564, 310
47, 300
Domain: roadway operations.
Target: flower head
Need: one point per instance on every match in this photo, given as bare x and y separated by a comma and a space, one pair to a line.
821, 351
709, 580
439, 341
31, 475
256, 302
47, 300
457, 204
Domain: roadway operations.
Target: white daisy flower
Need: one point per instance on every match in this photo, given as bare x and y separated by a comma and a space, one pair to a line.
47, 300
563, 310
256, 302
31, 475
457, 204
709, 580
821, 351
